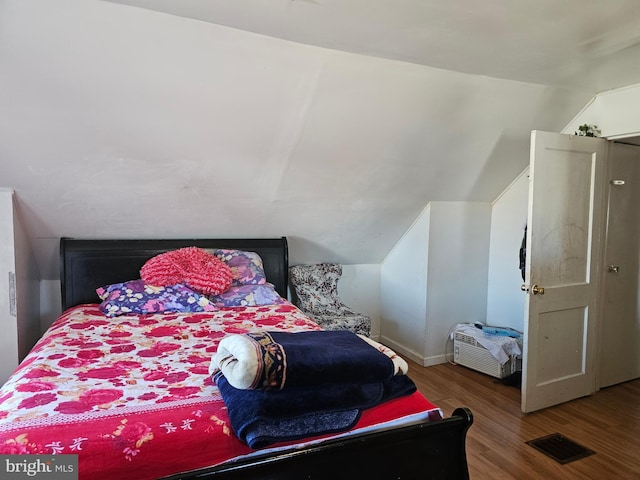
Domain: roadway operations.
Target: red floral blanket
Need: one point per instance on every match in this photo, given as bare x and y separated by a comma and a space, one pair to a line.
132, 396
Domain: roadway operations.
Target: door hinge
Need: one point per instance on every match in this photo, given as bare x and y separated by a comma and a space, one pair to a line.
13, 310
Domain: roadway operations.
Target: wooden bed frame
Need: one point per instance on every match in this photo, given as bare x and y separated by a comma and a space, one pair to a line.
429, 450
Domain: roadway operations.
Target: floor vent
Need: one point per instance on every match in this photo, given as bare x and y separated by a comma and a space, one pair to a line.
560, 448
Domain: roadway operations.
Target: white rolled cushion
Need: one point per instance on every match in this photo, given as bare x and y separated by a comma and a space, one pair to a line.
239, 359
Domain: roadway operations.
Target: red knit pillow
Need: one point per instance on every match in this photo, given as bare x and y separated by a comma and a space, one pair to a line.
192, 266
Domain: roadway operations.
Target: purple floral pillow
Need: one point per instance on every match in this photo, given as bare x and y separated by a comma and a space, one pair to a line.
247, 267
247, 296
136, 297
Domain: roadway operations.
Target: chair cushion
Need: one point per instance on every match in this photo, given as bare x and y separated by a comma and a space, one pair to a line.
316, 288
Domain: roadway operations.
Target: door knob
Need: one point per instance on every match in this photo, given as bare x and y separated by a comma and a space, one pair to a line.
537, 290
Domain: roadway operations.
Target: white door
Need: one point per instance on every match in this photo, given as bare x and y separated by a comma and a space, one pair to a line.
619, 329
564, 242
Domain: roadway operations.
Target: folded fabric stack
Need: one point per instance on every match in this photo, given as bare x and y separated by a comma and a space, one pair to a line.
280, 386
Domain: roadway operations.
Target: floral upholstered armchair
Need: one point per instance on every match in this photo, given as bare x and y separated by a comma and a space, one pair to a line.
314, 289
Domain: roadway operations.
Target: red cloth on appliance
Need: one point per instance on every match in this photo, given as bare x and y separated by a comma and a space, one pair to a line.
192, 266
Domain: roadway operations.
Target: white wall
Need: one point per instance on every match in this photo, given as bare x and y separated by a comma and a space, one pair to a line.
50, 302
457, 271
614, 112
27, 288
403, 290
505, 300
436, 277
233, 133
8, 322
359, 288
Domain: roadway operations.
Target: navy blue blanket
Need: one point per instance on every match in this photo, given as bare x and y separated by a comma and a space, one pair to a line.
279, 359
263, 417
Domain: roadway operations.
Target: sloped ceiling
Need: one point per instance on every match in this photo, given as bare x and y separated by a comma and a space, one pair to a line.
571, 43
331, 122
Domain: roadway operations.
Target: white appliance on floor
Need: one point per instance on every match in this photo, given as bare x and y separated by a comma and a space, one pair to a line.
469, 353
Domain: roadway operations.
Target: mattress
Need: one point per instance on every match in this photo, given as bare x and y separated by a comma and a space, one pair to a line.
132, 396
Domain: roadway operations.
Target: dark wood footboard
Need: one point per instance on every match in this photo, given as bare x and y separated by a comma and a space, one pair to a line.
431, 450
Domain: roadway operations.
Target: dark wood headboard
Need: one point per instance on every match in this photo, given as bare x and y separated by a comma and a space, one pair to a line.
88, 264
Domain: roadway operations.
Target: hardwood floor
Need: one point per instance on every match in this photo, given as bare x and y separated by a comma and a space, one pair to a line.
607, 422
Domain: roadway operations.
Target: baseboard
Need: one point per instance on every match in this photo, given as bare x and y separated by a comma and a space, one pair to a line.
434, 360
402, 350
412, 355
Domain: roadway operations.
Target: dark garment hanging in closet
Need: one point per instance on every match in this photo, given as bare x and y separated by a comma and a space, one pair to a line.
523, 253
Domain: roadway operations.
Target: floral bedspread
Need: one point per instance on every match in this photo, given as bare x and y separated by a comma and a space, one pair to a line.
131, 395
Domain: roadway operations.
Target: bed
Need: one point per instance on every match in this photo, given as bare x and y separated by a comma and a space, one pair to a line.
133, 398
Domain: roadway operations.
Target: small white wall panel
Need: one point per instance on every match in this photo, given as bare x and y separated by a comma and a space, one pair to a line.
8, 322
505, 300
434, 278
403, 290
457, 271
